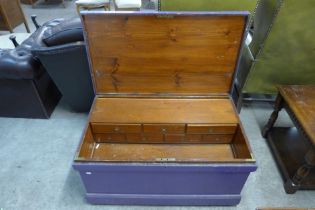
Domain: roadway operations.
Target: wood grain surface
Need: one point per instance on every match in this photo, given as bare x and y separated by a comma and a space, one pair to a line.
301, 100
154, 110
191, 58
11, 15
143, 54
233, 150
163, 152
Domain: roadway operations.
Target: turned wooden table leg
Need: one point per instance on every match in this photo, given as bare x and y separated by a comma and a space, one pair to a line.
274, 116
292, 185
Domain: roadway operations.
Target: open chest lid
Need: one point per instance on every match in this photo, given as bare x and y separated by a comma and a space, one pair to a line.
163, 54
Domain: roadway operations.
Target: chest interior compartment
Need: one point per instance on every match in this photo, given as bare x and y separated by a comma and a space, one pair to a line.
162, 83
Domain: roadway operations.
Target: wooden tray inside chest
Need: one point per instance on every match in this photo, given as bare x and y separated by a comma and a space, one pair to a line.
164, 130
163, 82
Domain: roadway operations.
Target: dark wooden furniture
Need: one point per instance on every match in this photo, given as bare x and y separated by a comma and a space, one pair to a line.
11, 15
293, 148
163, 127
285, 209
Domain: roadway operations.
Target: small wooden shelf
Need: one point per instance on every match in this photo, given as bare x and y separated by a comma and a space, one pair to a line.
288, 148
163, 110
236, 151
213, 133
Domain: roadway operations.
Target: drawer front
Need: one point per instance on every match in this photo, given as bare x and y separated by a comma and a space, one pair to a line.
110, 137
144, 138
164, 133
211, 129
193, 138
116, 128
134, 138
152, 138
174, 138
164, 128
217, 139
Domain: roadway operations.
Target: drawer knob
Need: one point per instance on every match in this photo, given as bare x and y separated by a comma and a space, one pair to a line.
210, 130
164, 130
116, 129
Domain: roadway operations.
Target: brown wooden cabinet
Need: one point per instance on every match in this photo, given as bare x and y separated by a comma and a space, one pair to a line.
11, 15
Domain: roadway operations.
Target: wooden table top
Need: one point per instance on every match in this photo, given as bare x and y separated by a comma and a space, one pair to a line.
301, 100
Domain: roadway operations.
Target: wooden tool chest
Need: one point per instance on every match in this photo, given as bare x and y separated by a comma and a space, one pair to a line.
163, 129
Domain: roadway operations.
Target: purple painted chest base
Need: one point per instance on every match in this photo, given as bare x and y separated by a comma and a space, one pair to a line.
163, 184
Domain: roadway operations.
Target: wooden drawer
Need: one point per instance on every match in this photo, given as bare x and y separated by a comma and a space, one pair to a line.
110, 137
144, 138
217, 138
174, 138
193, 138
164, 128
211, 128
116, 128
134, 138
152, 138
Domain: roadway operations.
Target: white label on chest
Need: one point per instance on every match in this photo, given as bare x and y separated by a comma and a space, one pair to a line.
165, 159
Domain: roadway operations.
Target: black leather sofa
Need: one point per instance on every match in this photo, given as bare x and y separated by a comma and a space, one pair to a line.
61, 49
26, 90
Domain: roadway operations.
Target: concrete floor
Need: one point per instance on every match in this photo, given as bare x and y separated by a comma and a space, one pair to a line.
36, 156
